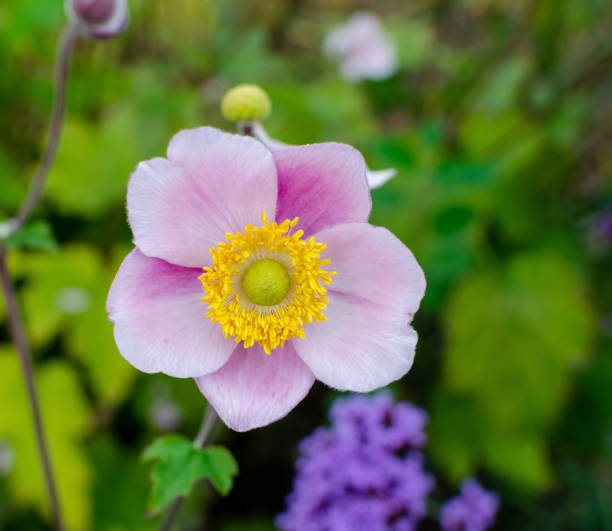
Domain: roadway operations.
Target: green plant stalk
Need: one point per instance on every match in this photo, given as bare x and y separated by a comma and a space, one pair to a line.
25, 358
64, 49
204, 433
16, 327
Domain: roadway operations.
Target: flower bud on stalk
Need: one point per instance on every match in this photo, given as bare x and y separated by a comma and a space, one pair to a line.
245, 103
99, 18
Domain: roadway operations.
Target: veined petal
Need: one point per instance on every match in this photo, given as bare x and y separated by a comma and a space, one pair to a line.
322, 184
373, 264
375, 178
254, 389
214, 183
160, 320
366, 341
358, 348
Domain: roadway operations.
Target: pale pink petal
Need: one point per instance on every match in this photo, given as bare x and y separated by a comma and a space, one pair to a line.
322, 184
366, 341
364, 48
214, 183
254, 389
376, 62
160, 320
375, 178
373, 264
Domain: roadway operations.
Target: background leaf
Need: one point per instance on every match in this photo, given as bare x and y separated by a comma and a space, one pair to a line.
514, 337
35, 235
66, 421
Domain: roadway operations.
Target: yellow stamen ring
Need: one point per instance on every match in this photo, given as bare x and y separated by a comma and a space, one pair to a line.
266, 284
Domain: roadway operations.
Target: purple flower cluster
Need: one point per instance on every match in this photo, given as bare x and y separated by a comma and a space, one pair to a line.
473, 510
364, 472
605, 226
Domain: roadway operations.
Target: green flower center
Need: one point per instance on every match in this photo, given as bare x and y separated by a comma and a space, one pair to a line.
266, 282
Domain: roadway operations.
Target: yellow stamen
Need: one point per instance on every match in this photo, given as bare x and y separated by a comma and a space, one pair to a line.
248, 320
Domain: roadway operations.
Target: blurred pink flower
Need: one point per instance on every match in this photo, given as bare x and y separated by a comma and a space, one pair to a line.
364, 49
99, 18
204, 208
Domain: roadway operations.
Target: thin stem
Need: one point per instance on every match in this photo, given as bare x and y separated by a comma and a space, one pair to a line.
25, 358
64, 48
208, 423
246, 128
206, 428
62, 60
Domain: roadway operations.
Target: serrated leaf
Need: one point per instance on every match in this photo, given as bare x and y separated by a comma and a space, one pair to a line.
66, 422
179, 465
35, 235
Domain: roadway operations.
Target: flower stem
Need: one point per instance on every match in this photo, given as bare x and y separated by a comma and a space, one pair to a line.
62, 60
64, 48
25, 358
246, 128
204, 433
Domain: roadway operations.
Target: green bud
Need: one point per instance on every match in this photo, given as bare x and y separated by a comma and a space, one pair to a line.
245, 103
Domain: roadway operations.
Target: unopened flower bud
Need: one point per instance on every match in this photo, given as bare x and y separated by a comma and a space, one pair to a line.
99, 18
245, 103
94, 11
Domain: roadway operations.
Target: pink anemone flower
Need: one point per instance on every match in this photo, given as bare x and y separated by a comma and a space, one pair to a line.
256, 272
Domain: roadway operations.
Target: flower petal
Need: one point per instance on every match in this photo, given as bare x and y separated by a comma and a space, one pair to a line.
373, 264
376, 178
214, 183
366, 341
160, 320
254, 389
323, 184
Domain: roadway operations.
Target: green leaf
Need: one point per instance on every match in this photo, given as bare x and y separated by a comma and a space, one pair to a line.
118, 505
66, 293
36, 235
12, 186
415, 41
85, 179
66, 421
514, 336
180, 465
500, 89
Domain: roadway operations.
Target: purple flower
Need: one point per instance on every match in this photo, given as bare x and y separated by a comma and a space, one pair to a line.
378, 421
365, 472
474, 509
99, 18
605, 226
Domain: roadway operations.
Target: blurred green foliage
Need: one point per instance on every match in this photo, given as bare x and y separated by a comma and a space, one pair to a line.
498, 123
66, 416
